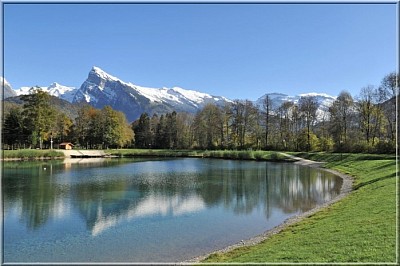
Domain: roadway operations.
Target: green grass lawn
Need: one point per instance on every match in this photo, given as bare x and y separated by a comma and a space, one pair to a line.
359, 228
31, 154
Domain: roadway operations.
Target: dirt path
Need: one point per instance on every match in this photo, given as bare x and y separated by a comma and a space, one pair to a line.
345, 189
83, 153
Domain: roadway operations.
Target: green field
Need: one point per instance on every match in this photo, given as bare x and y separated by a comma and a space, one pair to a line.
31, 154
359, 228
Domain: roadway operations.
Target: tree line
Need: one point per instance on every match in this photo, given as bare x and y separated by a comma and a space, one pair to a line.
365, 123
36, 124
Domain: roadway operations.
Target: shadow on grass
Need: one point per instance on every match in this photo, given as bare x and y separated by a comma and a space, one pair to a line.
338, 157
374, 181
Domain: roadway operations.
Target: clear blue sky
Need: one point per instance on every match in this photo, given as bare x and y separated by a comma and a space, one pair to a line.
236, 50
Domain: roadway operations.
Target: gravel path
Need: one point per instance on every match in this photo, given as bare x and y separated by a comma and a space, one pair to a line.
88, 153
346, 188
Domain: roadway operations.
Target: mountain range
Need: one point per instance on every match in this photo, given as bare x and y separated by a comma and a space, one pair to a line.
55, 89
101, 88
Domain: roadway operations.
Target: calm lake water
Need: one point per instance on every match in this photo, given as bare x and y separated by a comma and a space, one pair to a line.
141, 210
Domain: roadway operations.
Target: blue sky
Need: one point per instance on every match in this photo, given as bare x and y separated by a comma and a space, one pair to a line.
235, 50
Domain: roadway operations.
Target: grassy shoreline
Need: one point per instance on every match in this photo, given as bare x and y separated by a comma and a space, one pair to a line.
359, 228
30, 154
218, 154
24, 154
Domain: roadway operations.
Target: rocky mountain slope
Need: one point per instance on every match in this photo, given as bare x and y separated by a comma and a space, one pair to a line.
101, 88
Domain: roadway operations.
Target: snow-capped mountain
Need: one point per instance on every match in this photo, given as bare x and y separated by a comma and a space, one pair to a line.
6, 89
101, 88
277, 99
55, 89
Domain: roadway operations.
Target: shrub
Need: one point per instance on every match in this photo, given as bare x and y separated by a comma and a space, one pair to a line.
385, 147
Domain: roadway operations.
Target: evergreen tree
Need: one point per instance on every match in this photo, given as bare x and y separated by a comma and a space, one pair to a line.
161, 134
143, 134
13, 129
171, 131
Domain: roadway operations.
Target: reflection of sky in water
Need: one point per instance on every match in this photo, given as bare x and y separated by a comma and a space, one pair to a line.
114, 208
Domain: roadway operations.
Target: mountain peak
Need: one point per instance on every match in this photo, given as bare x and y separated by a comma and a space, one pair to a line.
54, 85
102, 74
97, 69
101, 88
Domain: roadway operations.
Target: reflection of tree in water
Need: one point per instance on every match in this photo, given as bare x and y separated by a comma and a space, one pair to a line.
33, 191
240, 186
290, 187
238, 189
302, 188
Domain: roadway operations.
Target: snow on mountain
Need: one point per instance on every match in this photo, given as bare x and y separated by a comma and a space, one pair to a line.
63, 92
6, 89
277, 99
101, 88
177, 96
55, 89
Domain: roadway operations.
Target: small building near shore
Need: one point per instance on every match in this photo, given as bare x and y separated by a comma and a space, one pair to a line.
66, 146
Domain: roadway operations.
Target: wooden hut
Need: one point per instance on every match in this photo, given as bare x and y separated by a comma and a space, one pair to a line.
66, 146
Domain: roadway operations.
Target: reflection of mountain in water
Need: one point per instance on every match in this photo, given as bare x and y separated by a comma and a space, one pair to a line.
106, 216
128, 191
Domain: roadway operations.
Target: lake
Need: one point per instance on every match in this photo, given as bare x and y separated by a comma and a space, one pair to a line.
148, 210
